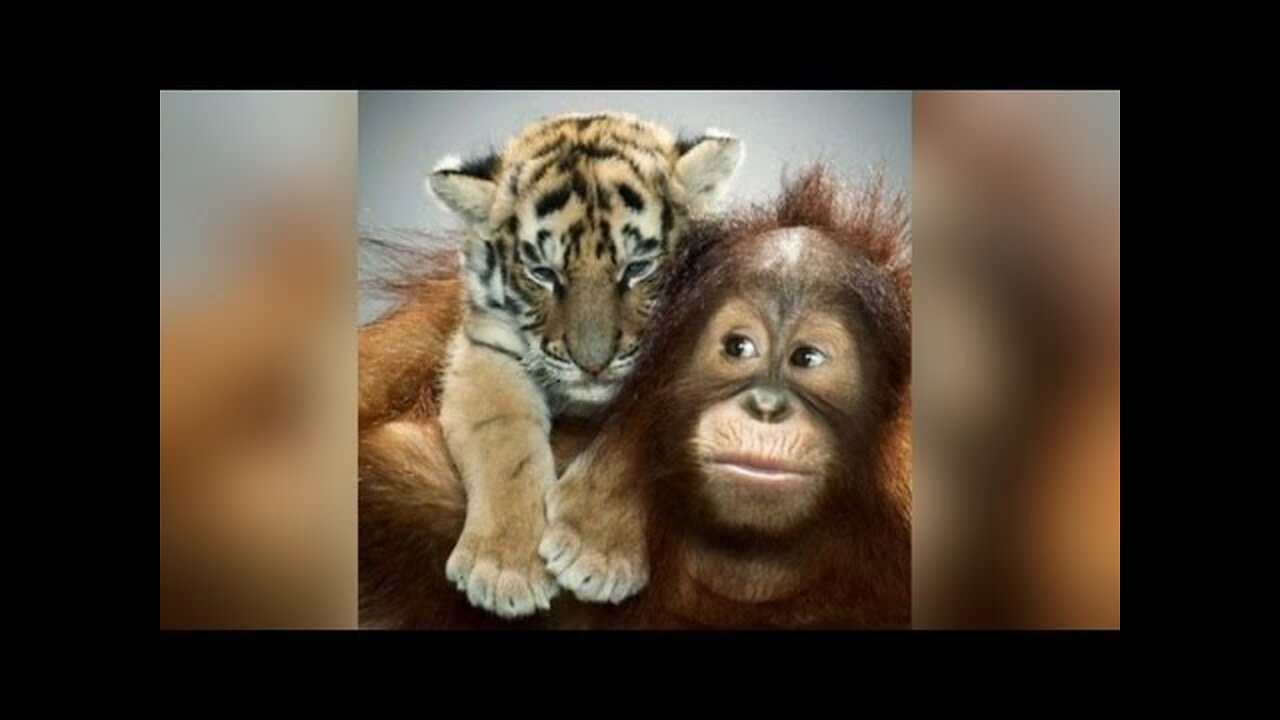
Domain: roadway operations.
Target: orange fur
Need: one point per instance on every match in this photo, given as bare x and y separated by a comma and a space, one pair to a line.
851, 569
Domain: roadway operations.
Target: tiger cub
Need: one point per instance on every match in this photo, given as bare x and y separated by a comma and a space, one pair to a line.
571, 229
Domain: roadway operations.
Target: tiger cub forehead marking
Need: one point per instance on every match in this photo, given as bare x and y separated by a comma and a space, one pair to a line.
588, 189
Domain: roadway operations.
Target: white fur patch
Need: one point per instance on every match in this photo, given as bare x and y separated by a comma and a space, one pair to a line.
593, 393
494, 330
469, 197
785, 248
789, 250
435, 196
448, 162
706, 169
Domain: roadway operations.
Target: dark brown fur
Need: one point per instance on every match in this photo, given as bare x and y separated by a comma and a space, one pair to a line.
855, 554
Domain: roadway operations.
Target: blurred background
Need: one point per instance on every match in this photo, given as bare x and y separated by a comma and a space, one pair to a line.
1016, 354
1016, 207
257, 360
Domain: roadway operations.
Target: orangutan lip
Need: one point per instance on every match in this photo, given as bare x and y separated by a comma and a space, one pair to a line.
761, 469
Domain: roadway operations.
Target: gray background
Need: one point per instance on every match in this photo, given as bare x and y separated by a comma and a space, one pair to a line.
403, 134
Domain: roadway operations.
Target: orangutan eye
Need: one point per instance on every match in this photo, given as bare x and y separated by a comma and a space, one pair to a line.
807, 357
740, 346
638, 270
544, 275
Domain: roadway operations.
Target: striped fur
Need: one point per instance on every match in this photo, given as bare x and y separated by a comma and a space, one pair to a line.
574, 225
582, 213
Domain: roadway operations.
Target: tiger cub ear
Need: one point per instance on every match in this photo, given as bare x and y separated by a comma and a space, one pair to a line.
706, 166
466, 188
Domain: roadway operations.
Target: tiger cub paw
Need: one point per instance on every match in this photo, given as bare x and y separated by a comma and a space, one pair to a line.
501, 573
594, 543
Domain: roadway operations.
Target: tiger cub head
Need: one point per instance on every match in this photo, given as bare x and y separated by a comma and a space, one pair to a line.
575, 225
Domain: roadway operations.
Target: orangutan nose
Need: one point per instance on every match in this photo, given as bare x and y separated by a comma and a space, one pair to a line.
766, 404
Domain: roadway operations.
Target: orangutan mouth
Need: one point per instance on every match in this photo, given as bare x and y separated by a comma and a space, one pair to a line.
760, 469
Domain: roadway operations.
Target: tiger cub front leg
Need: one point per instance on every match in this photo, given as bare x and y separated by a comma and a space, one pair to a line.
496, 427
595, 542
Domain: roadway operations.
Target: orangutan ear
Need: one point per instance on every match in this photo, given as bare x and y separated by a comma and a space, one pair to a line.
706, 167
466, 188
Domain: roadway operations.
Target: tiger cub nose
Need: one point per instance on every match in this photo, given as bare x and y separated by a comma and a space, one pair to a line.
592, 355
